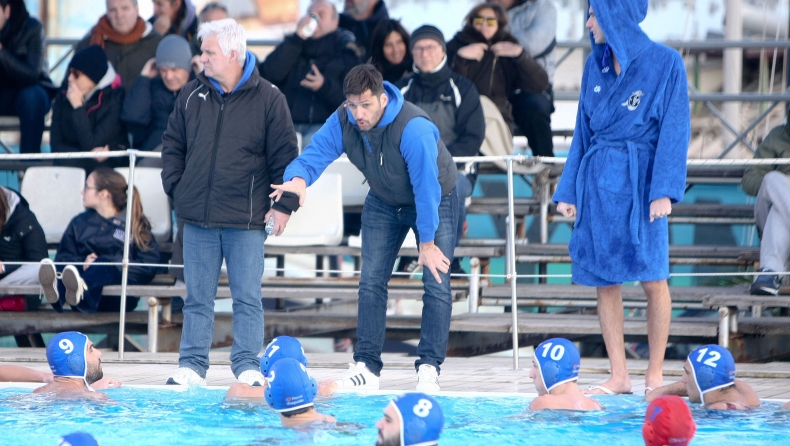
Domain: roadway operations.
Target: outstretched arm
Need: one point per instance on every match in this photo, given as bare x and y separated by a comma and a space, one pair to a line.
678, 388
15, 373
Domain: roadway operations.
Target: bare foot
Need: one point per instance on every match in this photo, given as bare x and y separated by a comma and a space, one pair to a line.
654, 380
614, 387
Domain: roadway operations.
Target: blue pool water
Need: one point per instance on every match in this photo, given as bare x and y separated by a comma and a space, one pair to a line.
198, 417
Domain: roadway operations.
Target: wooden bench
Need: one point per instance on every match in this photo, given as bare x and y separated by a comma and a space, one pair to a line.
728, 307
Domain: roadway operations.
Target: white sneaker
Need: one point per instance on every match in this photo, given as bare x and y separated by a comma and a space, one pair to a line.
48, 278
185, 376
360, 377
73, 283
427, 379
252, 377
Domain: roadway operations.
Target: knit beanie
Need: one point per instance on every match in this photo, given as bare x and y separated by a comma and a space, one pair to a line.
174, 52
428, 32
90, 61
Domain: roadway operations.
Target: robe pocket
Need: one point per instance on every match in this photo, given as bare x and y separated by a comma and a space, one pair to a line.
613, 173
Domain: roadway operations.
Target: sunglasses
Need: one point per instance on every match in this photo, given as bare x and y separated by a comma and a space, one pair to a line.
490, 21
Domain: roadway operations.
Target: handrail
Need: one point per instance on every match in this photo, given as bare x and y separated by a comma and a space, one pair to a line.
718, 44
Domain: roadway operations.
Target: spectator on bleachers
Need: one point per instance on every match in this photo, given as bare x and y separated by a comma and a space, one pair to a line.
771, 185
486, 53
86, 116
22, 240
361, 17
25, 88
97, 235
389, 50
177, 17
309, 69
148, 105
534, 24
129, 40
453, 104
213, 11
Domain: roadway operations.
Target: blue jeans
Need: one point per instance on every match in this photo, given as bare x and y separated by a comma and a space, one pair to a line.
463, 187
30, 105
383, 229
204, 249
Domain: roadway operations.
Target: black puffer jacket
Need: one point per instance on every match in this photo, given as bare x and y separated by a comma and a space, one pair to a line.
22, 238
146, 110
497, 77
363, 29
221, 153
334, 55
22, 60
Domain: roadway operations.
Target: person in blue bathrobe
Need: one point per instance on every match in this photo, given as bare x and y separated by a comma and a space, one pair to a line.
625, 169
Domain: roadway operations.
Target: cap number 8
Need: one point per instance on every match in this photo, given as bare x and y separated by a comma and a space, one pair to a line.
66, 346
711, 361
556, 353
422, 408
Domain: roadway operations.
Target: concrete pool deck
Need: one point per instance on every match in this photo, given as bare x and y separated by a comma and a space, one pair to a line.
493, 374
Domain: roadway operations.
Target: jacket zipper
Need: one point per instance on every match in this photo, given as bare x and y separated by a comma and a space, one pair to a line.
252, 185
491, 80
214, 158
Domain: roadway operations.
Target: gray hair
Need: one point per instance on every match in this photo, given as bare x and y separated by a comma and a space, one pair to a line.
230, 36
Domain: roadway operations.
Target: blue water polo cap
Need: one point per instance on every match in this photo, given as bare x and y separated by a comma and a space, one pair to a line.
558, 362
421, 419
290, 387
67, 355
78, 439
282, 347
713, 368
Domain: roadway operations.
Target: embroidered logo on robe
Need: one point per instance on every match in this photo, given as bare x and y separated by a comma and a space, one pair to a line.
597, 89
605, 70
633, 101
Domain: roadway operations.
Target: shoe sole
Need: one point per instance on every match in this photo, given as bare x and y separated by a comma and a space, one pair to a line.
357, 383
73, 286
765, 292
47, 277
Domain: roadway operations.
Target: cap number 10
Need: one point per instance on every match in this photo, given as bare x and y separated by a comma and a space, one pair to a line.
556, 353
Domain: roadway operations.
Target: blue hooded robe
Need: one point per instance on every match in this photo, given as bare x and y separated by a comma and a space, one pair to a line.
629, 148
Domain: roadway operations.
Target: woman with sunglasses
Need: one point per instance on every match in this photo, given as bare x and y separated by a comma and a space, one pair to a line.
97, 236
488, 55
86, 116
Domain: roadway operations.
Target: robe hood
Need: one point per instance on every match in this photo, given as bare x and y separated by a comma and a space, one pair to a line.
619, 20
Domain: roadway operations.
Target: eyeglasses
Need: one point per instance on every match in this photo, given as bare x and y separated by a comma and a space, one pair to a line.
490, 21
426, 48
89, 187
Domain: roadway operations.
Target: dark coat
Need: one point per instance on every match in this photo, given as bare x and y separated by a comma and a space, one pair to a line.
24, 62
363, 29
334, 54
90, 233
775, 145
221, 153
497, 77
146, 110
128, 60
22, 238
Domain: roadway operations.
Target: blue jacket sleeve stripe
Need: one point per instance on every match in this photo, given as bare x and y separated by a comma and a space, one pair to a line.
418, 147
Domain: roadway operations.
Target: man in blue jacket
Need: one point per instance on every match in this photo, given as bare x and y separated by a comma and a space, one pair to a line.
412, 185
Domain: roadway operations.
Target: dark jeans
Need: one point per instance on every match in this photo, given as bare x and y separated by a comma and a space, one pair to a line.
383, 229
532, 113
30, 105
96, 278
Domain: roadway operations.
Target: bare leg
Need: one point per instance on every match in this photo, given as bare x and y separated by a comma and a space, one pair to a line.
659, 315
610, 314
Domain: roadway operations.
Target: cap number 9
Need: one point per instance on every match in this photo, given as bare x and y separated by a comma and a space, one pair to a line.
422, 408
556, 353
711, 361
66, 346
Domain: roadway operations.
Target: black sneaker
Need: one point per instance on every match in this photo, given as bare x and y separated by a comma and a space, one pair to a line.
765, 285
457, 270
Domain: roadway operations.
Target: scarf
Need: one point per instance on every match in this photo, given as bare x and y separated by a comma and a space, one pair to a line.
103, 30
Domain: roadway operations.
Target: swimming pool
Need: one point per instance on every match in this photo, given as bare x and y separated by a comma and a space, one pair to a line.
148, 416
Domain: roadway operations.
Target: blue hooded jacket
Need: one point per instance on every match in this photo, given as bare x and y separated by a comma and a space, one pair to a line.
418, 147
629, 149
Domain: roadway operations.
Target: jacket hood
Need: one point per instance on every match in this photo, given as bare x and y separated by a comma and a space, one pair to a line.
110, 79
619, 20
249, 68
394, 105
13, 200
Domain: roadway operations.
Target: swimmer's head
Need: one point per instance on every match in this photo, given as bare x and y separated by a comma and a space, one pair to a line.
71, 355
668, 421
282, 347
78, 439
290, 387
410, 420
556, 362
708, 368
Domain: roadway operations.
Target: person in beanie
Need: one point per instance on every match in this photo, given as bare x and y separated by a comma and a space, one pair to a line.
128, 40
668, 421
453, 104
153, 96
86, 116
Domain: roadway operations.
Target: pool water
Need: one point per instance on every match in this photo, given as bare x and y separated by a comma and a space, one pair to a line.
142, 416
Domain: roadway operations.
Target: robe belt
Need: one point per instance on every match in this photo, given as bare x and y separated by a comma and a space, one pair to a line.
633, 171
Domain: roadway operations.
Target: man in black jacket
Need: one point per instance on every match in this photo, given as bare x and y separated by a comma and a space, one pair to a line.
453, 104
25, 88
361, 17
309, 69
228, 139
